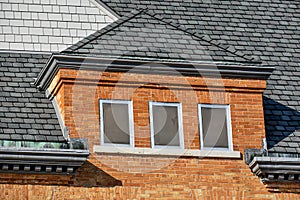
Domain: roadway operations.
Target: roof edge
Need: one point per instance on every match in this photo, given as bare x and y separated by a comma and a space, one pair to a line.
41, 161
187, 68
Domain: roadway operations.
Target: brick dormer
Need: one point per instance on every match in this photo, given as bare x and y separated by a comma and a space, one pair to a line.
79, 84
197, 105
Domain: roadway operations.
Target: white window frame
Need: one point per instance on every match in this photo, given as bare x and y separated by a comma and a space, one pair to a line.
228, 121
180, 125
130, 119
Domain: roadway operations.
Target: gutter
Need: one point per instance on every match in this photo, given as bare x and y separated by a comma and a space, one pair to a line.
186, 68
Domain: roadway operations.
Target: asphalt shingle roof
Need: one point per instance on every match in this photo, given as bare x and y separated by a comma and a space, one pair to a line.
268, 30
141, 33
25, 114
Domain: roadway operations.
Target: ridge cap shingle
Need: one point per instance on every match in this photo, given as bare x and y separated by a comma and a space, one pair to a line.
204, 37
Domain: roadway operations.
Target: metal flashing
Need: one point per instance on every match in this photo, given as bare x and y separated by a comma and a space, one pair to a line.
64, 129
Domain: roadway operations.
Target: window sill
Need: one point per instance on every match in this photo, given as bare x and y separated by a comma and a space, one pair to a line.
167, 152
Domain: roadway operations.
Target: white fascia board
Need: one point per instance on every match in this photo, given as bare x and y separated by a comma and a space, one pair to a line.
105, 9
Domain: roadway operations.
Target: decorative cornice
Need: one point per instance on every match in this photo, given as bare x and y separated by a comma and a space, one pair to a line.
187, 68
276, 169
44, 160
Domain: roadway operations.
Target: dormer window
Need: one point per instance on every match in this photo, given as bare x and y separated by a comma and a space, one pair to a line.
116, 122
215, 127
166, 125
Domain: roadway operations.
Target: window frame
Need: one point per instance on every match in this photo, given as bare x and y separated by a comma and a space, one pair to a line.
130, 120
180, 125
228, 121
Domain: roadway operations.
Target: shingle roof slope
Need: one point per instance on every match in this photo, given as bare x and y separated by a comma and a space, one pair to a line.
143, 34
269, 30
25, 114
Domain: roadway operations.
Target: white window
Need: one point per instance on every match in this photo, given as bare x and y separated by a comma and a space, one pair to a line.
166, 125
116, 122
215, 127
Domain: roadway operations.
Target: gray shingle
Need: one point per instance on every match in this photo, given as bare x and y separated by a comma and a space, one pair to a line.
141, 34
25, 113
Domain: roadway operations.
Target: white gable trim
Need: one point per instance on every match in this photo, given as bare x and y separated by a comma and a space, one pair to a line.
105, 9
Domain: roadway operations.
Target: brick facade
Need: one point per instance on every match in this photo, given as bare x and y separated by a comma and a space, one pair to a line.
126, 176
78, 94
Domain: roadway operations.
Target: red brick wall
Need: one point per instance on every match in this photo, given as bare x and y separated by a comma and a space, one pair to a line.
78, 94
114, 176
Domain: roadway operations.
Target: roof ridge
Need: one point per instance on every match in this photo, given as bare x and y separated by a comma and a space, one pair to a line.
204, 37
103, 31
158, 17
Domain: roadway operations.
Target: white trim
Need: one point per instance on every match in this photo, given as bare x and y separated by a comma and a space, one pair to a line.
64, 129
180, 126
130, 119
105, 9
228, 121
167, 152
27, 52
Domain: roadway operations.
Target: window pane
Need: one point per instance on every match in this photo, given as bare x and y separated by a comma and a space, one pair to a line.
165, 123
116, 123
214, 127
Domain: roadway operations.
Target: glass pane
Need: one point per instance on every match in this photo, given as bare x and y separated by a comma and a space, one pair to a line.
165, 123
214, 127
116, 123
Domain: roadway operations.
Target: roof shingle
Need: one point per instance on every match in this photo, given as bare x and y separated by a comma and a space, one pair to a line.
26, 114
142, 33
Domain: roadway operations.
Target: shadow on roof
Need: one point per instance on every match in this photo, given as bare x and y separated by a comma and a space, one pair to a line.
282, 127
